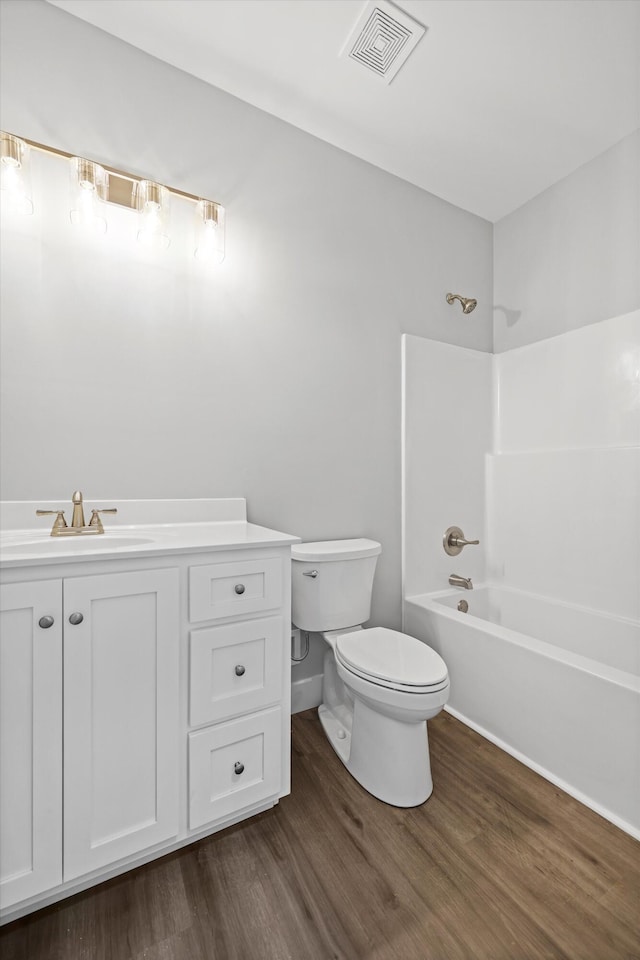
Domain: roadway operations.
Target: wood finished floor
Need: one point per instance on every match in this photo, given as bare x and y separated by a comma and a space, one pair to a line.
498, 865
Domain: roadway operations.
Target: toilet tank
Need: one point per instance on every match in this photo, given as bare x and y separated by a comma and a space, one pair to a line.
331, 583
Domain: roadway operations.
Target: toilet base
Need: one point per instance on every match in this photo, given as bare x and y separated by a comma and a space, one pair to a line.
338, 733
390, 759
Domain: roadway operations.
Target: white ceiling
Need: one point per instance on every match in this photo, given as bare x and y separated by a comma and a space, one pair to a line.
500, 99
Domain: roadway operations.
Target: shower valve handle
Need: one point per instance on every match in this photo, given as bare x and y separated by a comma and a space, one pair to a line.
461, 542
454, 540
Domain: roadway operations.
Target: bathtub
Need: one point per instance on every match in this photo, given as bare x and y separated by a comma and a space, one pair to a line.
555, 685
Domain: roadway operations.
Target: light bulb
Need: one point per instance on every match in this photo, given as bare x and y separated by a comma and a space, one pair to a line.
152, 204
88, 189
15, 180
209, 231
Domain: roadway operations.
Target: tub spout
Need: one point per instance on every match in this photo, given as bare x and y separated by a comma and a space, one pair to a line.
457, 581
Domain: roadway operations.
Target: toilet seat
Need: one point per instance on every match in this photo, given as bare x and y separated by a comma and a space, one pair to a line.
392, 659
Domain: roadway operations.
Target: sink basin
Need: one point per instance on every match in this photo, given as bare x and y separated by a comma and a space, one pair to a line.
87, 544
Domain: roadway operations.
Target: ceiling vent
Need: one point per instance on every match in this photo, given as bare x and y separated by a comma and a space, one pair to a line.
383, 38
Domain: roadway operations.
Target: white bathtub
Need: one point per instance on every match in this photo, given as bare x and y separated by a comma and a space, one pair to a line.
557, 686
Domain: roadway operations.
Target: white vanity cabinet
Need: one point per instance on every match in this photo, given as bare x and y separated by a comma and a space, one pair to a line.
115, 792
144, 698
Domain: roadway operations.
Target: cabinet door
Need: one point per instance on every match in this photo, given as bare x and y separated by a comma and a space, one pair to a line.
30, 739
121, 673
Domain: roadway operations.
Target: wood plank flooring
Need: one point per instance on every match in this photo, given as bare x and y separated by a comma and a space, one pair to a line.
498, 865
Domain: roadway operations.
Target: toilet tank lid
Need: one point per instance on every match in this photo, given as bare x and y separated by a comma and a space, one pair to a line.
335, 550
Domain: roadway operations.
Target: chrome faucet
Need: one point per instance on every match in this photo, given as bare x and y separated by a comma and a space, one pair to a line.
78, 525
457, 581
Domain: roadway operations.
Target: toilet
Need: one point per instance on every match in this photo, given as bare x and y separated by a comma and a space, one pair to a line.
380, 686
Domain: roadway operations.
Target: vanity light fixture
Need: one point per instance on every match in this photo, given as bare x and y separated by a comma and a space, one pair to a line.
15, 179
88, 193
94, 186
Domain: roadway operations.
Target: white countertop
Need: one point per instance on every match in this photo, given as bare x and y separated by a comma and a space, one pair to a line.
34, 546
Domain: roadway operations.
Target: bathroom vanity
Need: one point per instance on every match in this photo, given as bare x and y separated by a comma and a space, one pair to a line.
145, 689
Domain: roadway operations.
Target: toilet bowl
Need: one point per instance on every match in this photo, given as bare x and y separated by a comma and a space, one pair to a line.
380, 686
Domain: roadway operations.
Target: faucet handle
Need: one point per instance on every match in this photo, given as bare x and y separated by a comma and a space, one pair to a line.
58, 524
95, 517
454, 540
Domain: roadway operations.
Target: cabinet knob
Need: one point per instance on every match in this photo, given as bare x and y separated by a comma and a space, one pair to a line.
46, 622
76, 618
239, 669
239, 588
238, 768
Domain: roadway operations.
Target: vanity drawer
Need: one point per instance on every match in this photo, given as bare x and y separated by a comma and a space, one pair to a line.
234, 668
218, 590
233, 765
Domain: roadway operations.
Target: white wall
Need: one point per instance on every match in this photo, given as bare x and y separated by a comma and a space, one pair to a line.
571, 256
279, 378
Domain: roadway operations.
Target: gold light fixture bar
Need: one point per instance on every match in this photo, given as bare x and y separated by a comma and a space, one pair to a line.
121, 186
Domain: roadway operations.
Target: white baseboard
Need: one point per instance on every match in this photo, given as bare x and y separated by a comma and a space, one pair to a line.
306, 693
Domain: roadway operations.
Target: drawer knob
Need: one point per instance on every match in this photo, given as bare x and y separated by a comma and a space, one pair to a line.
239, 670
45, 622
238, 768
239, 588
76, 618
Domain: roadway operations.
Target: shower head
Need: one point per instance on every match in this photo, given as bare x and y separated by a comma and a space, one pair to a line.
468, 304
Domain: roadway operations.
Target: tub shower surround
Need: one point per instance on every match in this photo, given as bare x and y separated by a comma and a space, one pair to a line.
546, 663
563, 480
